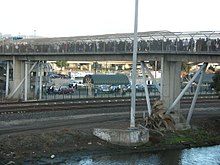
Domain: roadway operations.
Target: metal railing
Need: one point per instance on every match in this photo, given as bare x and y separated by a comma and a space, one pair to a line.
162, 41
84, 93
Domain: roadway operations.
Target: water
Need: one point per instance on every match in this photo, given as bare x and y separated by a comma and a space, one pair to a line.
202, 156
193, 156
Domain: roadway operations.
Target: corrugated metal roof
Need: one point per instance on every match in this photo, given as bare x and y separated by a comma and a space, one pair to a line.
101, 79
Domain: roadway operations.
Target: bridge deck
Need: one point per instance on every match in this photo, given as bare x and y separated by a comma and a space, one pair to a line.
115, 56
201, 46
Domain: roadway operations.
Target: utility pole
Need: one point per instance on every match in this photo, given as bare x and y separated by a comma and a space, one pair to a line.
134, 67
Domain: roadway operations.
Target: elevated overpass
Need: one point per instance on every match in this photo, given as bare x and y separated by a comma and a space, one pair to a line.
176, 46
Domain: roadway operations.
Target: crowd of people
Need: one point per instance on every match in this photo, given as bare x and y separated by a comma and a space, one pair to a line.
196, 45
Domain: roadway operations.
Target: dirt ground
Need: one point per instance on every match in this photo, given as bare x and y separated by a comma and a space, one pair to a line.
44, 143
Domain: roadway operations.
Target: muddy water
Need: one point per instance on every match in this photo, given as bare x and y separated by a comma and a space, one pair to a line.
193, 156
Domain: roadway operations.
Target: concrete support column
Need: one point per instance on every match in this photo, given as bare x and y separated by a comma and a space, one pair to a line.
21, 72
27, 81
40, 83
170, 82
7, 79
90, 67
29, 65
36, 82
18, 75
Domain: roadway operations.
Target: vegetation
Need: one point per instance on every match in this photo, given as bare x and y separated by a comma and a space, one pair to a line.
62, 64
216, 82
159, 121
163, 132
186, 66
191, 137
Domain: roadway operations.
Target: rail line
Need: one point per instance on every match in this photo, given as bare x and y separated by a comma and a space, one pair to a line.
84, 114
44, 106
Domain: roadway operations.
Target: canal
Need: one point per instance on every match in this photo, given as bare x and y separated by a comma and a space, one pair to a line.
192, 156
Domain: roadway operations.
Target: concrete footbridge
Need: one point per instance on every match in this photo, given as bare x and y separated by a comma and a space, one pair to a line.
176, 46
171, 48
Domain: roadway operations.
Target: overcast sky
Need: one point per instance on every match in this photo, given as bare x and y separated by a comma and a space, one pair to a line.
57, 18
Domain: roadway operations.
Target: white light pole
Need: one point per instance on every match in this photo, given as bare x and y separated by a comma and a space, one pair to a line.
134, 67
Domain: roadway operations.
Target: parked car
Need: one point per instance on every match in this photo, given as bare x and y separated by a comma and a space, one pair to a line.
72, 84
139, 88
114, 88
52, 89
59, 90
65, 90
152, 88
103, 89
53, 75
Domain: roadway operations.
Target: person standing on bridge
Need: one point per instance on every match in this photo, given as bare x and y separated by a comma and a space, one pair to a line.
209, 44
192, 44
185, 45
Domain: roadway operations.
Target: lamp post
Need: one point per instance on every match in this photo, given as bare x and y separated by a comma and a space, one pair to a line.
134, 67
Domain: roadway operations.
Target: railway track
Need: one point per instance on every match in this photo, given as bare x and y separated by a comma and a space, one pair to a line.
43, 106
19, 117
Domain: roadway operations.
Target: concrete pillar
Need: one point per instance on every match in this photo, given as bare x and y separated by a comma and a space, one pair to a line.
90, 67
27, 81
29, 64
21, 80
36, 82
18, 75
40, 83
170, 82
7, 79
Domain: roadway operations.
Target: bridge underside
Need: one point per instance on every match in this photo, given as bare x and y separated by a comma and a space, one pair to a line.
115, 56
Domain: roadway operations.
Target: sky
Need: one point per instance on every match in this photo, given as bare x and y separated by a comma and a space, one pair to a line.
63, 18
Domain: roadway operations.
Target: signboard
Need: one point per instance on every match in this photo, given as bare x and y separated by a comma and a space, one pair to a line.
17, 38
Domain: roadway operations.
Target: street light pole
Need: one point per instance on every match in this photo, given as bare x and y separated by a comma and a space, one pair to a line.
134, 67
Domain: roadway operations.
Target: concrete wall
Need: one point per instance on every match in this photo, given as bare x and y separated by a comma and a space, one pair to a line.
130, 137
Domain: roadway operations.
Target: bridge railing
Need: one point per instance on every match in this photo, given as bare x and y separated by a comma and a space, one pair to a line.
147, 42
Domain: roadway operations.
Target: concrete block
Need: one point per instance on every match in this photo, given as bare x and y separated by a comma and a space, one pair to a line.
129, 137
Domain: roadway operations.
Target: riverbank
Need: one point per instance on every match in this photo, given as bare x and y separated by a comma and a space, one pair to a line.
50, 143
